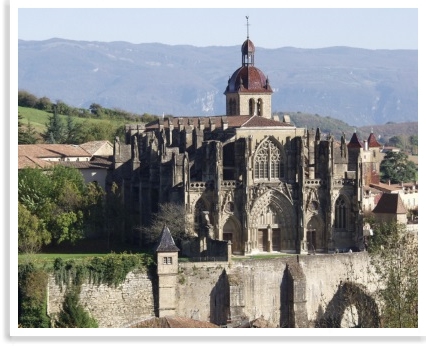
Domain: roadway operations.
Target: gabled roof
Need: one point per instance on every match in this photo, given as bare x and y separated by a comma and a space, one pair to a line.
166, 244
44, 151
32, 162
92, 147
390, 203
256, 121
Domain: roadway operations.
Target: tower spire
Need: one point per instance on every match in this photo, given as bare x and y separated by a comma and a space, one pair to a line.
247, 17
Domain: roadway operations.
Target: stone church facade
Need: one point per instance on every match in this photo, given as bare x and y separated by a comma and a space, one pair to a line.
248, 177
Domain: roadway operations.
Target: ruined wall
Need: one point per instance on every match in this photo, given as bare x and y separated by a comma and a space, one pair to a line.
202, 291
324, 274
286, 291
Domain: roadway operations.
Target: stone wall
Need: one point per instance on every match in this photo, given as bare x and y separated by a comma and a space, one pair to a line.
130, 302
287, 291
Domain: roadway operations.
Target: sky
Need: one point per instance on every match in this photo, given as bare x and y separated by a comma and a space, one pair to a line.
371, 28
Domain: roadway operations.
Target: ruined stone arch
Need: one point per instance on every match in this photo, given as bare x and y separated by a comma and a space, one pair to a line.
231, 230
268, 160
280, 207
350, 300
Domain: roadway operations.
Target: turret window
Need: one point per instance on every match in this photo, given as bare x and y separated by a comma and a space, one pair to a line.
167, 260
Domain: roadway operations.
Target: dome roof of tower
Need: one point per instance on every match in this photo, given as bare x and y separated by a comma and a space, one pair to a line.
247, 47
248, 79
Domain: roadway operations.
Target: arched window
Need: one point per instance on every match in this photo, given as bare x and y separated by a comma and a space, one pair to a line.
268, 163
252, 106
232, 107
340, 213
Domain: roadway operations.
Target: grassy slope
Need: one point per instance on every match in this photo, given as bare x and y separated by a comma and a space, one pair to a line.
39, 119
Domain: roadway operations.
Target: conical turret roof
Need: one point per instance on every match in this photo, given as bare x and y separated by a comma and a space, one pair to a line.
166, 243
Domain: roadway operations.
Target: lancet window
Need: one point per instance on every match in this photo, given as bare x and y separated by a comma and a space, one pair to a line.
340, 213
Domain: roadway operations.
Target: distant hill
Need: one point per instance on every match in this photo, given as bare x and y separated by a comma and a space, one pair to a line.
336, 127
358, 86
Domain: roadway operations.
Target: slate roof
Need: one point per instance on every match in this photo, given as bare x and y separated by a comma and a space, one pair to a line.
166, 243
173, 322
390, 203
354, 142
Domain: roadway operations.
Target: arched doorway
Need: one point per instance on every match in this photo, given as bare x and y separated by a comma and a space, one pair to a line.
232, 233
315, 235
272, 223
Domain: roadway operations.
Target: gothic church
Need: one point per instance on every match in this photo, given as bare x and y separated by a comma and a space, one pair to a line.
248, 177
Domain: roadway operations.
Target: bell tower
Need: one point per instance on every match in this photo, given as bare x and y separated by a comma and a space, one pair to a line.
248, 91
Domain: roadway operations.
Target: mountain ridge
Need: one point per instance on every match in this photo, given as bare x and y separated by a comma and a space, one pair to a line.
358, 86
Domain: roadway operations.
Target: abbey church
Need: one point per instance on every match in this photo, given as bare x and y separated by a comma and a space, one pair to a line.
248, 178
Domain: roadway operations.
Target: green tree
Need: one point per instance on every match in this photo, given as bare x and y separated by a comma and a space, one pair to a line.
394, 256
397, 168
44, 104
55, 129
32, 233
96, 109
74, 132
32, 297
25, 99
73, 314
26, 135
60, 200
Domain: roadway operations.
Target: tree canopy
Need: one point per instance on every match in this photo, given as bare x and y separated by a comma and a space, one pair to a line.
397, 168
56, 205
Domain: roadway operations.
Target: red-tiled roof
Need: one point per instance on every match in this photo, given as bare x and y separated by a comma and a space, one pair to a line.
32, 162
248, 79
372, 141
51, 150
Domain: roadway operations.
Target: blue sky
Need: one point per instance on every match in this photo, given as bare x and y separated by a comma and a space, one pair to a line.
371, 28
